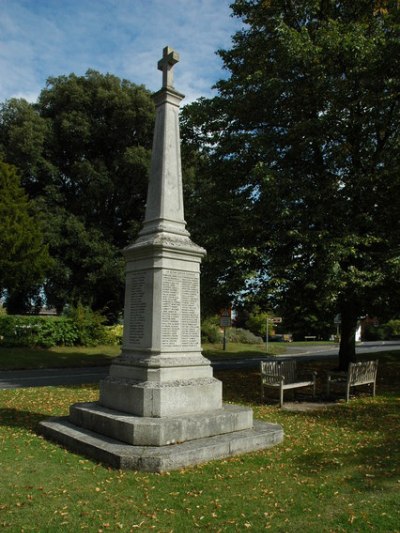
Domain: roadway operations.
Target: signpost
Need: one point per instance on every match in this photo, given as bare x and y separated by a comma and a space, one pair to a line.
273, 320
225, 321
337, 321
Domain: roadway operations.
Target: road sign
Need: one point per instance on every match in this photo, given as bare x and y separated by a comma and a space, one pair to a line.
275, 319
225, 319
337, 319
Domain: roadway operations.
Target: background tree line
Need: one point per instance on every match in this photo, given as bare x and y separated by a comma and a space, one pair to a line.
82, 154
299, 151
292, 172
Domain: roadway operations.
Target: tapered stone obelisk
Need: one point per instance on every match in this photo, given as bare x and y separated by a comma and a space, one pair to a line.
161, 371
160, 408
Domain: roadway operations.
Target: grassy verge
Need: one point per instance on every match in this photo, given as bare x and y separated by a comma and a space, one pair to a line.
337, 470
57, 357
242, 350
79, 356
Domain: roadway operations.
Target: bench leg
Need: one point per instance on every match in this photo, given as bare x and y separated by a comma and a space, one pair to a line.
328, 387
314, 388
347, 392
373, 388
280, 396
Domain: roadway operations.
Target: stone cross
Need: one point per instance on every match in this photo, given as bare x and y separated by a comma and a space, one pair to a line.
169, 59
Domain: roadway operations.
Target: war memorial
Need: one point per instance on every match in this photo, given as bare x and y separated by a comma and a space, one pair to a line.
160, 408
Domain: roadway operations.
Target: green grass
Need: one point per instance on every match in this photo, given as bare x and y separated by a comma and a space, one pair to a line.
241, 350
80, 356
337, 470
57, 357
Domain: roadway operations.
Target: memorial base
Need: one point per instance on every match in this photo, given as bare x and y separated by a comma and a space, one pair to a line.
161, 399
119, 454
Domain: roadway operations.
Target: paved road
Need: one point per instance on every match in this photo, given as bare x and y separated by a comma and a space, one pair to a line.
308, 354
11, 379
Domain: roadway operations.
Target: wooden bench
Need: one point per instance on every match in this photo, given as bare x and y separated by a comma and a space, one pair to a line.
283, 375
362, 373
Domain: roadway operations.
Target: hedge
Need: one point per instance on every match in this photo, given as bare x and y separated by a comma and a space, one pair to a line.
37, 331
79, 329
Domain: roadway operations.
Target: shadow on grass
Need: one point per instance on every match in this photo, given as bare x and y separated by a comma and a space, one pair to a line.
216, 354
358, 439
366, 450
240, 385
243, 385
15, 418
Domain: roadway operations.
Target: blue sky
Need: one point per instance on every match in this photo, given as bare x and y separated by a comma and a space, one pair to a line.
43, 38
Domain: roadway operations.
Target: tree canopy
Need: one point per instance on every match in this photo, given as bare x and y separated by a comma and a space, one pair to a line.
24, 259
303, 138
83, 152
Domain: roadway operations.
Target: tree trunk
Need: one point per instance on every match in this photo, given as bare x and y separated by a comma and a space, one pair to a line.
347, 350
17, 303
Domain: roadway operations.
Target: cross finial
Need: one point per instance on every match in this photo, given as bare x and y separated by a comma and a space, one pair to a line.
169, 58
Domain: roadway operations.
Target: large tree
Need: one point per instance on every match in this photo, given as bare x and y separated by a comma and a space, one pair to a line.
305, 131
24, 259
84, 151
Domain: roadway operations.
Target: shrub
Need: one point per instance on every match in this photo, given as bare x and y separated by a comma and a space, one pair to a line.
89, 325
375, 333
243, 336
113, 334
81, 326
257, 322
18, 330
56, 331
211, 330
393, 328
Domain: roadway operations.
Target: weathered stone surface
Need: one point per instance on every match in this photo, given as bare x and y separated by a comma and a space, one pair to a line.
165, 398
161, 458
150, 431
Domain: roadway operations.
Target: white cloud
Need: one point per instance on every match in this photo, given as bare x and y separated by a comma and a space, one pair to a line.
43, 38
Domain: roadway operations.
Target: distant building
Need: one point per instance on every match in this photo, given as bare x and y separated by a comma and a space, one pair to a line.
51, 311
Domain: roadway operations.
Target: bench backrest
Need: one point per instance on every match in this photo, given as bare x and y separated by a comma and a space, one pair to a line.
363, 371
280, 368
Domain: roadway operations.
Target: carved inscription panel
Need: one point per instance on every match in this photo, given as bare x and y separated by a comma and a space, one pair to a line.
136, 308
180, 309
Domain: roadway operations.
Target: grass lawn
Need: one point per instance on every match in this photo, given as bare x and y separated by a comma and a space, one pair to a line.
337, 470
57, 357
80, 356
242, 350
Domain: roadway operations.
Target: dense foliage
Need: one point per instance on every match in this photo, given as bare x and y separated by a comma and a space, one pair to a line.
302, 146
24, 258
83, 152
79, 327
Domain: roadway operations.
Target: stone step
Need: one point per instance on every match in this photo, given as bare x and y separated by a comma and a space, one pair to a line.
151, 431
160, 458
